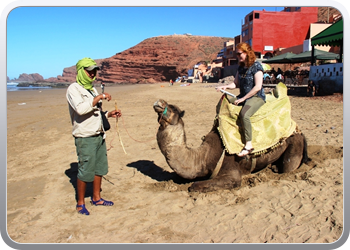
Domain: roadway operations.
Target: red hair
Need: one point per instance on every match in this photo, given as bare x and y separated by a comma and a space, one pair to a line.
250, 59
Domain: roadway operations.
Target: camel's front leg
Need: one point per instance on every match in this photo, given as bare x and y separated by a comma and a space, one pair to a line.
226, 179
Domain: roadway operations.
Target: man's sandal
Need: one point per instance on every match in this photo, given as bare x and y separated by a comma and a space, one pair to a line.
83, 210
105, 203
245, 149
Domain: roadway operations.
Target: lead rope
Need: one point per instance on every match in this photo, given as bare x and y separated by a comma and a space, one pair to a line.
164, 113
116, 124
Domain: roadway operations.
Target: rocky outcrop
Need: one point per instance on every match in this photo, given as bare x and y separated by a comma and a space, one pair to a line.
30, 78
159, 59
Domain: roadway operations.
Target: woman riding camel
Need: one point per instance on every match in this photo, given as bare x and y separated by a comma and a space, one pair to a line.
249, 79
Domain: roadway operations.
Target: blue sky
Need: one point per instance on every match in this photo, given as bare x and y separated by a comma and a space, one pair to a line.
45, 40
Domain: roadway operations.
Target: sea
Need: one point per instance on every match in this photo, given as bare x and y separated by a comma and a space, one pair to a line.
12, 86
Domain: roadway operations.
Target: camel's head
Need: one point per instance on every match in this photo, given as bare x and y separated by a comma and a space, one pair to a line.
167, 113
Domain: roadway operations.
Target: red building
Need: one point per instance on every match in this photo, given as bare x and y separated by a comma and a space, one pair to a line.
267, 31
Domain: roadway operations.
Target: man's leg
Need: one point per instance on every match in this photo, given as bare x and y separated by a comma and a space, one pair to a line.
96, 196
96, 189
81, 188
101, 170
86, 165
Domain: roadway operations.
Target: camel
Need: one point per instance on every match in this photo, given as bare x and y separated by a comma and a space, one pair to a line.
209, 165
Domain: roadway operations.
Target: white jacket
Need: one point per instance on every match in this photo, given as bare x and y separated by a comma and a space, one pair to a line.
86, 119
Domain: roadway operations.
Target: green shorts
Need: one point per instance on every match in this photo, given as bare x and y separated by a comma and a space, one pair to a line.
92, 157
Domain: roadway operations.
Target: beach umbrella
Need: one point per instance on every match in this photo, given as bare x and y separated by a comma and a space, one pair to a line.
283, 58
318, 54
266, 66
327, 56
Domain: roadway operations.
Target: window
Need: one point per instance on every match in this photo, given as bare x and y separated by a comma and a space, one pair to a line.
250, 42
250, 18
257, 15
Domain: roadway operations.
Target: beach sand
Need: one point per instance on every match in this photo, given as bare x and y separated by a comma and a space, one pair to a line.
152, 204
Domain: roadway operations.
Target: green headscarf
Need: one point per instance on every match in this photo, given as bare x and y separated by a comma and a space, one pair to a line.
82, 78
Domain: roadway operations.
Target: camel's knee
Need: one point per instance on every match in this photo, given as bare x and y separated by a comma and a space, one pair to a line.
290, 164
291, 161
218, 183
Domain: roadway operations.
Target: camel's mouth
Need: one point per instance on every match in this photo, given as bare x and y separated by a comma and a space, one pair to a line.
159, 106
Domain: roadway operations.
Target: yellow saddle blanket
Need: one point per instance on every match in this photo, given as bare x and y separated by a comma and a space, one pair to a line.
270, 124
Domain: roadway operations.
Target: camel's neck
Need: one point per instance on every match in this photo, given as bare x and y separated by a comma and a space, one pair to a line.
172, 136
186, 162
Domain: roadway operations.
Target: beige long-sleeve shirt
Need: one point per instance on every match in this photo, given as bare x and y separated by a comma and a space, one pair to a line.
86, 119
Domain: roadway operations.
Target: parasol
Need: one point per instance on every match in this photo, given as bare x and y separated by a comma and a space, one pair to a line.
283, 58
266, 66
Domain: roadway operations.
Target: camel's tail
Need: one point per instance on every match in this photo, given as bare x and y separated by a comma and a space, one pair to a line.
305, 156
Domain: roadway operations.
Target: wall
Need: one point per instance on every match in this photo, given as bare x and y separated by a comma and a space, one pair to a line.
329, 73
316, 28
295, 49
278, 29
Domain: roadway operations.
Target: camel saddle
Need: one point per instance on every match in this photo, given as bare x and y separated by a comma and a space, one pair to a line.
271, 124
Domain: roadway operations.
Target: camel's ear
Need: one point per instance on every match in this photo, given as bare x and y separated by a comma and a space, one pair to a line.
182, 113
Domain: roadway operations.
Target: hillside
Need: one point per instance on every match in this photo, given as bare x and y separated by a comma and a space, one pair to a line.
155, 59
160, 58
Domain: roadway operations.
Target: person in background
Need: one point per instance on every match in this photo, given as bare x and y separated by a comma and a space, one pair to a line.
88, 132
249, 79
311, 89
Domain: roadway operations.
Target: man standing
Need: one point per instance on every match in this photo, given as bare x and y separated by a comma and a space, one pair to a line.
85, 108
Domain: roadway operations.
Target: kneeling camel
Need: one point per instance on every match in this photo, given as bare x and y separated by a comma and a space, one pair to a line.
192, 163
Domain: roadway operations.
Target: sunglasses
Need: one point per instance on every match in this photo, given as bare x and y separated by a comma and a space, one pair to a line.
239, 53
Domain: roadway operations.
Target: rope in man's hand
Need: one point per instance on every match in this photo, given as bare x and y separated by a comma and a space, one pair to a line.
120, 139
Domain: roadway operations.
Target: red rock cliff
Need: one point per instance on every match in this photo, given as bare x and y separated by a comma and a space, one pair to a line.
155, 59
159, 59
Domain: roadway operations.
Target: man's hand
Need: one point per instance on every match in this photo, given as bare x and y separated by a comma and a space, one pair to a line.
114, 113
106, 96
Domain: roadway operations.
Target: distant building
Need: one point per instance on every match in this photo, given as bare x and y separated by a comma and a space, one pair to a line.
267, 31
229, 56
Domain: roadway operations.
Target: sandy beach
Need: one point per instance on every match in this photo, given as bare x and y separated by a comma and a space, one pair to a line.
152, 204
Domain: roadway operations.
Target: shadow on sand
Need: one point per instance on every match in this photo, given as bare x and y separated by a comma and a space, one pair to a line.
72, 173
157, 173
